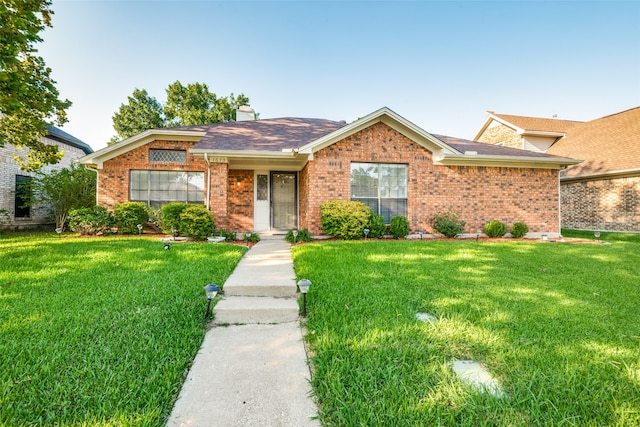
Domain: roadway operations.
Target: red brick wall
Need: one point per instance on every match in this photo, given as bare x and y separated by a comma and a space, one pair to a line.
478, 194
607, 204
113, 178
240, 201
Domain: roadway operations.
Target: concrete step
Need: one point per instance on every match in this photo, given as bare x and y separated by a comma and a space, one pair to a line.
259, 274
251, 310
260, 290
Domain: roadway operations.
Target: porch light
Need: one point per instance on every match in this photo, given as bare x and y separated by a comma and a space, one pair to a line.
211, 291
139, 228
295, 236
366, 233
304, 285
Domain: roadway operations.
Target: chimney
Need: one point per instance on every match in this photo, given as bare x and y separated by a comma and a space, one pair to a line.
245, 113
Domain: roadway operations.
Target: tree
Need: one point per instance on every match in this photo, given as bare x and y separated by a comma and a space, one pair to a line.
28, 95
141, 113
188, 105
64, 189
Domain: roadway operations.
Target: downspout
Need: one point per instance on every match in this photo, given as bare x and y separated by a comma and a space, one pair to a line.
206, 160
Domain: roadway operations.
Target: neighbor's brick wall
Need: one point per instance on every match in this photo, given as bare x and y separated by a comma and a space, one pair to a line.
478, 194
240, 202
608, 204
501, 133
40, 215
113, 178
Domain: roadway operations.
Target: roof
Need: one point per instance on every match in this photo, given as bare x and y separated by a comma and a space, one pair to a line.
62, 136
608, 144
534, 124
293, 141
262, 135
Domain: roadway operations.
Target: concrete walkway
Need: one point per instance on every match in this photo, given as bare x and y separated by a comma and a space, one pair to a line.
252, 368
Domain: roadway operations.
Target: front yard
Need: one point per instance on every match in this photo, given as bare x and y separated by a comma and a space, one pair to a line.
558, 325
100, 332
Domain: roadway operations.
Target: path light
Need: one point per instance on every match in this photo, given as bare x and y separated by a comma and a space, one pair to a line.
211, 290
304, 285
596, 234
167, 246
139, 228
478, 235
420, 232
366, 233
295, 236
174, 231
59, 231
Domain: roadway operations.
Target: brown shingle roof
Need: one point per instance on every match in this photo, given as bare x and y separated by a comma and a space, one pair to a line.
481, 148
263, 135
538, 123
607, 144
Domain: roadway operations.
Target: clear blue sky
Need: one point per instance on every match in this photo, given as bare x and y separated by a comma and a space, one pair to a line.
441, 65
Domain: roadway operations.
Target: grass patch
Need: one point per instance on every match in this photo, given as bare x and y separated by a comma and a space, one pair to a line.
100, 332
607, 236
557, 324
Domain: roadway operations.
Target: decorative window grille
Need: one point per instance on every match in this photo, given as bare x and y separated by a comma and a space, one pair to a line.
263, 181
168, 156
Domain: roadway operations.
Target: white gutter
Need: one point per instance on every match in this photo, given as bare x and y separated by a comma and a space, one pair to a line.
505, 161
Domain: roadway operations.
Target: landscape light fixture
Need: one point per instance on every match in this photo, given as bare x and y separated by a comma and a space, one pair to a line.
478, 235
174, 231
420, 232
59, 231
366, 233
295, 236
304, 285
167, 246
139, 228
596, 234
211, 291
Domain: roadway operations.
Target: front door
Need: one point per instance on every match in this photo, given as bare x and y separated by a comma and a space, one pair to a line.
283, 201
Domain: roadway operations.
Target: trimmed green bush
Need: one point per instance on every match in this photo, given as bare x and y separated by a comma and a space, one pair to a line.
344, 219
495, 228
376, 225
171, 216
129, 215
228, 235
519, 229
196, 222
91, 221
399, 226
303, 236
448, 223
253, 238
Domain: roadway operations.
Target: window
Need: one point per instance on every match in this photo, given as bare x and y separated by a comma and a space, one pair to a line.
22, 193
168, 156
263, 187
157, 188
381, 186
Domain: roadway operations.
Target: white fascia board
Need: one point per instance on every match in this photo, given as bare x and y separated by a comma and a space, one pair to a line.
99, 157
541, 133
623, 173
504, 161
388, 117
244, 153
506, 123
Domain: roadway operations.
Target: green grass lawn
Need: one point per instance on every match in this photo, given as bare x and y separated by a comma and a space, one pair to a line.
100, 332
557, 324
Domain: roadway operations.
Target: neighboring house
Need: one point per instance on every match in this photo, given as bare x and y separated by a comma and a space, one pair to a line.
601, 193
272, 175
13, 212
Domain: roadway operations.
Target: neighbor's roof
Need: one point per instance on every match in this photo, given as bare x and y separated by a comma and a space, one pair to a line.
62, 136
608, 144
535, 123
262, 135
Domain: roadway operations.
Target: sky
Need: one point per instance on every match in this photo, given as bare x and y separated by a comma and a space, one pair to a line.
440, 64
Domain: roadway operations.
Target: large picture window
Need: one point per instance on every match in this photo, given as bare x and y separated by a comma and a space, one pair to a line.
381, 186
157, 188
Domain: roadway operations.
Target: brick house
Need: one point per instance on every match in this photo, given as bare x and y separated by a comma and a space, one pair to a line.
13, 212
601, 193
272, 175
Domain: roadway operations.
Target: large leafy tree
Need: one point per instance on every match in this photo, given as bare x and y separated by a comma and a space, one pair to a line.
29, 100
193, 104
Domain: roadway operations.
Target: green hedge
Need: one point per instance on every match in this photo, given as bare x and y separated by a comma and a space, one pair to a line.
495, 228
171, 216
344, 219
196, 222
129, 215
399, 226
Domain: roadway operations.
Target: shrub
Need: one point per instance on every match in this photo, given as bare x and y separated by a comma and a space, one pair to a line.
303, 236
344, 219
196, 222
399, 226
376, 225
228, 235
154, 216
448, 223
495, 228
129, 215
171, 216
519, 229
253, 238
88, 221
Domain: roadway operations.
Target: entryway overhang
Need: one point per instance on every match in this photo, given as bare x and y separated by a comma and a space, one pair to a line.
252, 160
